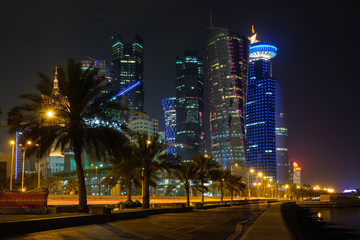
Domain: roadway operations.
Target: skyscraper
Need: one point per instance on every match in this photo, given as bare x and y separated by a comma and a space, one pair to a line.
128, 68
260, 110
168, 105
296, 174
281, 131
189, 105
228, 55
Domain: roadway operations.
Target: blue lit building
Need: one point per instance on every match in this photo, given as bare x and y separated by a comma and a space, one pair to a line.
260, 110
169, 107
189, 105
228, 57
128, 69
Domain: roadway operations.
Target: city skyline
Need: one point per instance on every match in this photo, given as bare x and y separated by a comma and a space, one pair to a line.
319, 95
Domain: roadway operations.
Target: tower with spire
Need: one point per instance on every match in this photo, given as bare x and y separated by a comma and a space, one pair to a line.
260, 109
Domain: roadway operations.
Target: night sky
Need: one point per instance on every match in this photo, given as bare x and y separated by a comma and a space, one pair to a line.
316, 62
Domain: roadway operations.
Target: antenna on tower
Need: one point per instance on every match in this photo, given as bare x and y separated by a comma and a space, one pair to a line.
210, 17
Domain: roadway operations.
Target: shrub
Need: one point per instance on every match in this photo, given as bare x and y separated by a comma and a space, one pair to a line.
129, 204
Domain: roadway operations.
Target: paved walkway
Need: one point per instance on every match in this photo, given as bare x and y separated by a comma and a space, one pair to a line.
211, 224
269, 226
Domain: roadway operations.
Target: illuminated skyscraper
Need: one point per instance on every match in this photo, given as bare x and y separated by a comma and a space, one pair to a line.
228, 55
296, 174
189, 105
169, 108
128, 68
260, 110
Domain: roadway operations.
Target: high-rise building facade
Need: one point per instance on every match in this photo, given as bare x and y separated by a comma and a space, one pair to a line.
128, 69
139, 123
169, 107
283, 169
189, 105
101, 65
228, 55
296, 174
260, 110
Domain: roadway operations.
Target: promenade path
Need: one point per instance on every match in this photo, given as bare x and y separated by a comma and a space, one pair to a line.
218, 223
269, 226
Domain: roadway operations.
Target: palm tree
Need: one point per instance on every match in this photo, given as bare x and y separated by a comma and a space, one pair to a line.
79, 102
53, 183
151, 153
233, 183
125, 166
72, 186
204, 165
219, 176
185, 174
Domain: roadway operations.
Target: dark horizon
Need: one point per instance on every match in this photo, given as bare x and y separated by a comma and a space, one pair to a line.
315, 62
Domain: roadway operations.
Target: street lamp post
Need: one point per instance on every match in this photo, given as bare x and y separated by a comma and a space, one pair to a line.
49, 114
264, 185
97, 179
12, 142
250, 171
38, 145
257, 186
23, 165
148, 142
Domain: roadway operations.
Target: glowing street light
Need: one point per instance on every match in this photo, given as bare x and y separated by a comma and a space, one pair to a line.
50, 114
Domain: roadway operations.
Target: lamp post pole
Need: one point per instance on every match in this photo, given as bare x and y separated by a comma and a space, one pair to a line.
250, 171
49, 114
39, 167
12, 162
23, 166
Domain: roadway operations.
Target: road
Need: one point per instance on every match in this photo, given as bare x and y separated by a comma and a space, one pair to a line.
209, 224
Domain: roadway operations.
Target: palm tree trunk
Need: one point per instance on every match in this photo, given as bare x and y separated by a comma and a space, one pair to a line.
128, 189
231, 197
81, 182
221, 193
187, 191
146, 191
202, 191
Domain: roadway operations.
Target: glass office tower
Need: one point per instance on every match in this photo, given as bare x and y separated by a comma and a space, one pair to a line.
283, 169
169, 108
260, 110
189, 105
228, 55
128, 68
